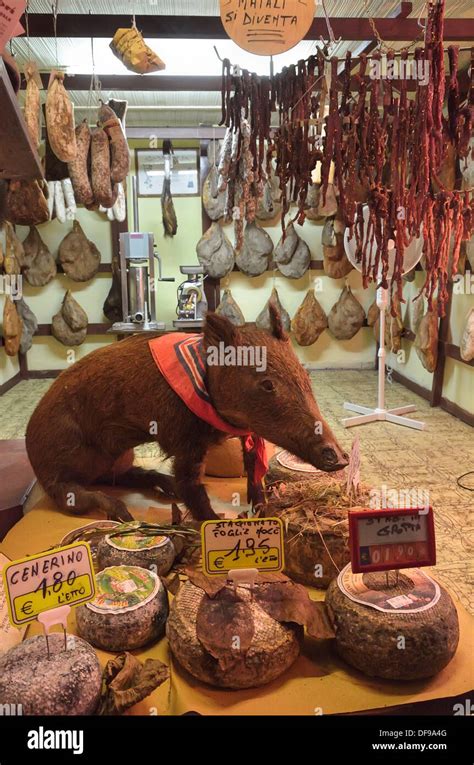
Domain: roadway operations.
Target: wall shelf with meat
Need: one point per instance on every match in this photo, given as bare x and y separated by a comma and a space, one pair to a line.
82, 166
395, 151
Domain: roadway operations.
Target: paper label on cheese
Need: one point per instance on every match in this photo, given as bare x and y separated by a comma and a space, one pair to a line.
413, 592
120, 589
134, 542
291, 462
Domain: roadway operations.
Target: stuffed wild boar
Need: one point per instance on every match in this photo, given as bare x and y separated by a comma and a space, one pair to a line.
71, 447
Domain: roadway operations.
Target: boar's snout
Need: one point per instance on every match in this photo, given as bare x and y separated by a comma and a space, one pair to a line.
332, 460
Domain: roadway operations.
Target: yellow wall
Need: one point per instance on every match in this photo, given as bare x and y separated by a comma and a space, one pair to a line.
458, 384
250, 294
47, 352
8, 366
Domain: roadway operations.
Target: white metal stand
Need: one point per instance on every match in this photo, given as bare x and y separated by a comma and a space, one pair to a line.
366, 414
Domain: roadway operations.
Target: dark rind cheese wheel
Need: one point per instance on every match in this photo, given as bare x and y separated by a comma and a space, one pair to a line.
308, 548
128, 611
273, 649
67, 683
368, 639
158, 556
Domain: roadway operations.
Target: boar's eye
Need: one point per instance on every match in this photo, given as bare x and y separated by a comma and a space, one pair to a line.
267, 385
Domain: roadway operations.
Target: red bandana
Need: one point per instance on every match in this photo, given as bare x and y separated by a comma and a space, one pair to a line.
180, 358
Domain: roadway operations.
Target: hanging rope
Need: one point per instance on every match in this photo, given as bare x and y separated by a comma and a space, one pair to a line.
55, 12
27, 24
329, 47
95, 84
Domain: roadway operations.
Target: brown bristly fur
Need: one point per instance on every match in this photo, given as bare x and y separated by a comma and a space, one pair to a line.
116, 398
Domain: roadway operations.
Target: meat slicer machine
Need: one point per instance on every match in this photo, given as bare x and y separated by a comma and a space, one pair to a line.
137, 270
192, 302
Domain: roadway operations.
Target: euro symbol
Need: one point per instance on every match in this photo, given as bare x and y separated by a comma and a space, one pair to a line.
27, 608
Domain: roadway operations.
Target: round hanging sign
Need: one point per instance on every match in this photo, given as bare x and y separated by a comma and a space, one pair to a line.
267, 27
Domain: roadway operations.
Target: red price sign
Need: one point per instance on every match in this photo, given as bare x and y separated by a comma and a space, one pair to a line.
392, 538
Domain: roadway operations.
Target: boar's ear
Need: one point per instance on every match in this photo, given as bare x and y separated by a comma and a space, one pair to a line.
275, 322
218, 329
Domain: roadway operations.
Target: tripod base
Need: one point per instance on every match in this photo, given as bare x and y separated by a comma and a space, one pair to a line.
366, 414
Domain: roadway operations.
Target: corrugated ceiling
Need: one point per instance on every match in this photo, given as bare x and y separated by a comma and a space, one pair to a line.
192, 57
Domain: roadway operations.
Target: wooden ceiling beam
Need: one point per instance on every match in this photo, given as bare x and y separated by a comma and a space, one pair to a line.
176, 83
137, 82
402, 11
210, 27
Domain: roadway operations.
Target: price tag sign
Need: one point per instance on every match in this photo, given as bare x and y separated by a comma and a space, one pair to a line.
242, 543
391, 539
10, 12
38, 583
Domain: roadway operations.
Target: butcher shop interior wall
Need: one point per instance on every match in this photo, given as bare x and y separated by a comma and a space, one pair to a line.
47, 354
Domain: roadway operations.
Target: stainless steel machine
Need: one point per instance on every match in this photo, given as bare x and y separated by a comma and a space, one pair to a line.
139, 279
192, 302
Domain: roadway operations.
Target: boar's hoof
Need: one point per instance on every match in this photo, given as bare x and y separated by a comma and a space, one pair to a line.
118, 512
208, 515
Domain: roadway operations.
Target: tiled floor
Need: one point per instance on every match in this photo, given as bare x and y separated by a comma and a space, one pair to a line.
398, 457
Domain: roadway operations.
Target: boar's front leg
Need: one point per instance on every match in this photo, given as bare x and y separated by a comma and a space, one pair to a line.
187, 475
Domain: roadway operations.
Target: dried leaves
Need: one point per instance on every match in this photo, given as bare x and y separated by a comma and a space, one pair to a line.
126, 681
225, 615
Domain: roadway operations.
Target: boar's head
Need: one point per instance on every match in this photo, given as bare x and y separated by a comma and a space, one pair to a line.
272, 396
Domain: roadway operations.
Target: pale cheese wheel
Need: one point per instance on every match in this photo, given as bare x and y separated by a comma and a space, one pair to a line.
156, 553
128, 611
68, 682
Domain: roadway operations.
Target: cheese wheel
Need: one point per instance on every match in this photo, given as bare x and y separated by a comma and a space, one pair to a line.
128, 611
273, 648
371, 640
156, 553
66, 683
